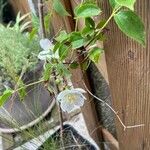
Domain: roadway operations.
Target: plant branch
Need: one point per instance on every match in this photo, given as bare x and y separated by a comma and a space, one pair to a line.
43, 35
115, 112
101, 29
28, 85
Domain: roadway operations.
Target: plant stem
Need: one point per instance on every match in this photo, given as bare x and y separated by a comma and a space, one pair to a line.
60, 113
41, 17
43, 35
59, 109
28, 85
61, 120
115, 112
108, 20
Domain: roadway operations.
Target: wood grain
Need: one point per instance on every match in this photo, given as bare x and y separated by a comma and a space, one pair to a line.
110, 140
128, 66
20, 5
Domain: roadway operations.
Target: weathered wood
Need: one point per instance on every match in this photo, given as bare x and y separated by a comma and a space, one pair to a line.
110, 140
20, 5
128, 66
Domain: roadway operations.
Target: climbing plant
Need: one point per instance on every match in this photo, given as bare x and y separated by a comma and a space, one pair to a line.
57, 53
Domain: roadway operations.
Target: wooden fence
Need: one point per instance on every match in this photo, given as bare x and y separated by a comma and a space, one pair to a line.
128, 67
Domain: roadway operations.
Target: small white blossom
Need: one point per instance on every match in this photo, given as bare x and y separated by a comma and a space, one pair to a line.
71, 99
47, 52
46, 44
43, 55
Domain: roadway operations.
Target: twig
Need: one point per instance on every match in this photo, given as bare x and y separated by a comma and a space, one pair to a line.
59, 110
28, 85
41, 17
61, 120
115, 112
43, 35
76, 141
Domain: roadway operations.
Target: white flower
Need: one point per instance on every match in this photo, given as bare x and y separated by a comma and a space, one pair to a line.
43, 55
46, 44
71, 99
47, 52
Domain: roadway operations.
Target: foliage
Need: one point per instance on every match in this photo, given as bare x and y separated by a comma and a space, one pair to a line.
19, 48
83, 42
131, 25
127, 3
59, 8
16, 50
5, 96
15, 47
87, 10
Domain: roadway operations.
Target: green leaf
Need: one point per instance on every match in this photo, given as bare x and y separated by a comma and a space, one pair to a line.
56, 46
35, 21
87, 31
22, 92
130, 24
5, 96
101, 24
113, 3
89, 22
63, 51
77, 40
95, 54
47, 20
62, 36
32, 34
127, 3
47, 72
74, 65
63, 70
59, 8
85, 65
87, 10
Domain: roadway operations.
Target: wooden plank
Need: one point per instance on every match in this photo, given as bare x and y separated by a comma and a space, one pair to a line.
111, 142
20, 5
88, 110
128, 66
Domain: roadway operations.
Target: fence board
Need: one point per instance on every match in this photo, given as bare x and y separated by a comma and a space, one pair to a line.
128, 66
20, 5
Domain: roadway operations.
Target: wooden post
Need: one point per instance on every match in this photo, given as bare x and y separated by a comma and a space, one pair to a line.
128, 66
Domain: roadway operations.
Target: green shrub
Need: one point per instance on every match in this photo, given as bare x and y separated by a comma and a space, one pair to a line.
16, 49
